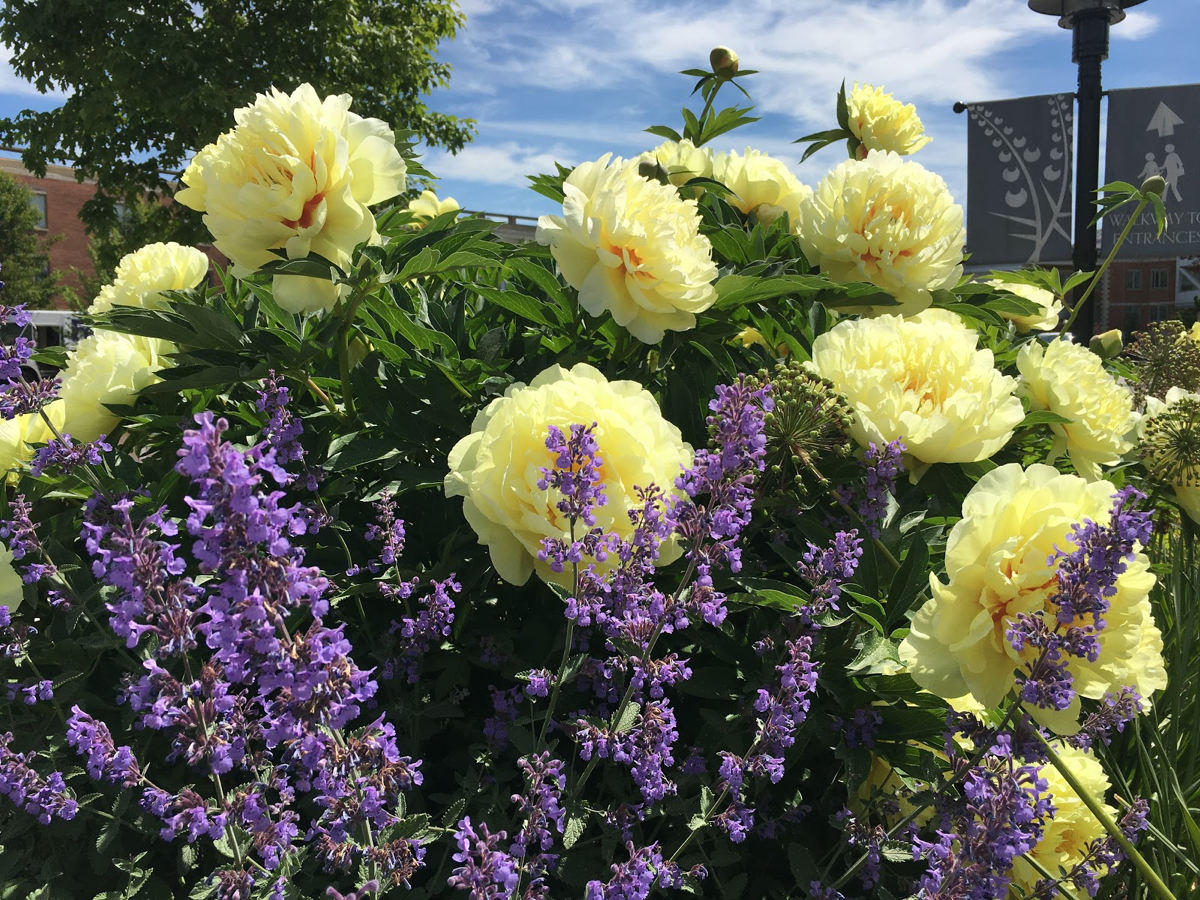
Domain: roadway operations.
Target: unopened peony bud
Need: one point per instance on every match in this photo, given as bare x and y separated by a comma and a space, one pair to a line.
1107, 345
1155, 184
723, 61
357, 349
651, 169
751, 336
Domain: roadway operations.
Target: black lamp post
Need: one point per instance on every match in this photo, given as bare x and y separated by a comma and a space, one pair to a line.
1089, 21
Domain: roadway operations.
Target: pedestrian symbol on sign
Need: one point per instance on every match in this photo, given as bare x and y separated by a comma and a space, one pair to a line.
1156, 131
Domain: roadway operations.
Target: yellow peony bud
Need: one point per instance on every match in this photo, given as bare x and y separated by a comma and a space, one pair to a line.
1107, 345
429, 206
751, 336
723, 61
359, 347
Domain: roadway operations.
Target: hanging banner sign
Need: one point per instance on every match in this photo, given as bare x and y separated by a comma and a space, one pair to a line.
1156, 131
1019, 180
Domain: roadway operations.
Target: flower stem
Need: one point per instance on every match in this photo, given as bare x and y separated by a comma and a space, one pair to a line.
1102, 816
946, 784
884, 551
322, 396
707, 109
343, 340
1104, 267
558, 680
566, 654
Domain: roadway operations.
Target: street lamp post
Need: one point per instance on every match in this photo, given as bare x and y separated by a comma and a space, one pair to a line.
1089, 21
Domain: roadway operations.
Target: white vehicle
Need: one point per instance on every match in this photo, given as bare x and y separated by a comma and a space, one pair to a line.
52, 328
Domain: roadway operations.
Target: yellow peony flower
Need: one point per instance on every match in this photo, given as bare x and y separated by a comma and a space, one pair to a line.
1194, 333
294, 177
1172, 452
1049, 306
884, 790
11, 587
881, 122
19, 434
1070, 380
106, 368
998, 565
888, 222
633, 247
681, 160
1067, 833
922, 379
495, 469
143, 275
428, 206
761, 185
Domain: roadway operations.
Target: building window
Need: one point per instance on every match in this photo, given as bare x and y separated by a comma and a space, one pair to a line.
1159, 278
38, 202
1133, 280
119, 209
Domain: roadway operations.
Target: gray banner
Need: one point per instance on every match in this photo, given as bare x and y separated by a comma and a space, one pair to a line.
1019, 180
1156, 131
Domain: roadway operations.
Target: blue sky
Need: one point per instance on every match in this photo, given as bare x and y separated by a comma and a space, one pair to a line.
569, 80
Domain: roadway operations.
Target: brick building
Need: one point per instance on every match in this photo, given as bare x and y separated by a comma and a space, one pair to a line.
1137, 292
59, 198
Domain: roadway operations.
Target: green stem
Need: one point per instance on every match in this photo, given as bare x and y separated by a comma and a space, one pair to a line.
887, 554
654, 635
87, 470
1102, 816
566, 654
1104, 267
356, 298
558, 680
322, 396
707, 109
899, 827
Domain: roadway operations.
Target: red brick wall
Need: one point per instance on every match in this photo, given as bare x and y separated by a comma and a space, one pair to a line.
1133, 307
64, 198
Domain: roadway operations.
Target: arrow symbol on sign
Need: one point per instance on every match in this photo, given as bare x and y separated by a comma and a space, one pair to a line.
1164, 120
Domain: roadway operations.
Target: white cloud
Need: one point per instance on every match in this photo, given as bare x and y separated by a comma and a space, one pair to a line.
930, 50
12, 83
1137, 25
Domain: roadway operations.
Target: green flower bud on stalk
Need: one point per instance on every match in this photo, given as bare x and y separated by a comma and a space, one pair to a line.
724, 61
1155, 184
1107, 345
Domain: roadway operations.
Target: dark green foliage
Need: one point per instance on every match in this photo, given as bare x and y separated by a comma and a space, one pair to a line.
24, 262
